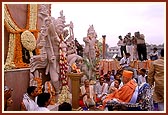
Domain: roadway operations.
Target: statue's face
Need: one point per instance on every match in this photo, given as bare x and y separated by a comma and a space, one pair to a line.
66, 33
47, 22
59, 29
92, 35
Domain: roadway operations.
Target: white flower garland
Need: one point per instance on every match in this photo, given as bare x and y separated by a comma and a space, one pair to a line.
10, 23
13, 28
28, 41
65, 95
33, 16
10, 56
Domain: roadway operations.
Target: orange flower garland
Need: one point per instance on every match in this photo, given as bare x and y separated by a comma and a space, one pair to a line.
12, 27
39, 84
18, 53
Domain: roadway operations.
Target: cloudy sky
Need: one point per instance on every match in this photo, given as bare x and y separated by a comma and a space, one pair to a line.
113, 19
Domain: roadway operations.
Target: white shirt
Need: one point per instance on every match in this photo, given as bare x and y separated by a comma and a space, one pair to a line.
141, 79
112, 84
29, 103
101, 89
121, 43
83, 91
123, 60
42, 109
153, 53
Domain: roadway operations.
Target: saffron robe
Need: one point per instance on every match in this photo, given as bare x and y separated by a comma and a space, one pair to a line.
124, 94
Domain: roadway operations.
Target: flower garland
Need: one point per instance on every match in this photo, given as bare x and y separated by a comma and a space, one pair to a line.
50, 89
28, 41
65, 94
16, 48
10, 56
32, 22
10, 24
38, 81
32, 17
12, 28
18, 53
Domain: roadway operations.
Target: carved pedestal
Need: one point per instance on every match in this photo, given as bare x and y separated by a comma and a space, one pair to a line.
75, 84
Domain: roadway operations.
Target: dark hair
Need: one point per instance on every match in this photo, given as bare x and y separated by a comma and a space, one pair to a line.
154, 48
120, 36
105, 75
42, 99
31, 89
128, 54
143, 70
119, 81
117, 74
162, 52
65, 107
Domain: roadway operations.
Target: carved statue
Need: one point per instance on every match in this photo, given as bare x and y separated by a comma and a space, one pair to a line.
48, 41
89, 50
43, 10
56, 51
71, 46
90, 42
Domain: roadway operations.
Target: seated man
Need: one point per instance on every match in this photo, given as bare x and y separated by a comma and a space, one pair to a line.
101, 90
126, 92
144, 101
125, 61
116, 86
86, 96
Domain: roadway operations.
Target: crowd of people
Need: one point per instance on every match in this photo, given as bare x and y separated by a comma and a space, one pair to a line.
114, 90
131, 89
136, 46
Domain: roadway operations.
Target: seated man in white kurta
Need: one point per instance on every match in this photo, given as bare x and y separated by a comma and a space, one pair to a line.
29, 103
87, 95
101, 90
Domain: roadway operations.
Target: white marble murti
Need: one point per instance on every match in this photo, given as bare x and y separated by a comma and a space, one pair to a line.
90, 50
58, 51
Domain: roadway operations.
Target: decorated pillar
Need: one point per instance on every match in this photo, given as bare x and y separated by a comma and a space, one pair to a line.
104, 46
75, 83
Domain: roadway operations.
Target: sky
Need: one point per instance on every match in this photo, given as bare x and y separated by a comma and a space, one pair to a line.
115, 18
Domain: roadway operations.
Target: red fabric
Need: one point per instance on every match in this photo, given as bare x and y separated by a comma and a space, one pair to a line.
98, 99
81, 103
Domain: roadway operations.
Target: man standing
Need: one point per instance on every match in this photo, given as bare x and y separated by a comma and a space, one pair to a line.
156, 80
122, 45
129, 45
141, 46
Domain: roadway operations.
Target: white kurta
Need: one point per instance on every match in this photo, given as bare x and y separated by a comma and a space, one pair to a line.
29, 103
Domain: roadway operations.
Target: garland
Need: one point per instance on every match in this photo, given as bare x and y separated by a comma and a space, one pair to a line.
49, 89
10, 56
18, 53
65, 94
28, 41
38, 81
13, 28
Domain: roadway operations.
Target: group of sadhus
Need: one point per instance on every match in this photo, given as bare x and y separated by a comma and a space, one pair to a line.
90, 97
